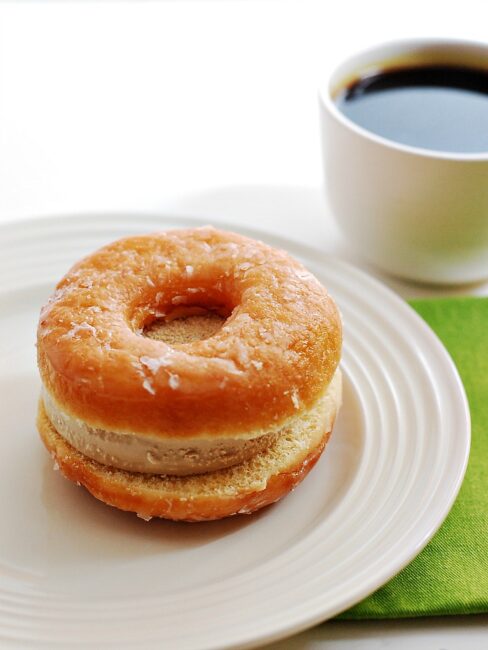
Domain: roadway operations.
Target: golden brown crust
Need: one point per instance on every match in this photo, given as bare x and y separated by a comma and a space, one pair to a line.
116, 488
275, 355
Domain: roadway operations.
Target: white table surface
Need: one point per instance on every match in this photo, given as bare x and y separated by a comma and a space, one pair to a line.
208, 109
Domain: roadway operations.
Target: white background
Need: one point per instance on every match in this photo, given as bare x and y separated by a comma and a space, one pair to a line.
202, 108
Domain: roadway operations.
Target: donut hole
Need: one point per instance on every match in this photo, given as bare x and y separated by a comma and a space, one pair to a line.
178, 314
186, 325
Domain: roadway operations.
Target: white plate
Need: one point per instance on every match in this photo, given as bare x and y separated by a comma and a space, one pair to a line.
76, 573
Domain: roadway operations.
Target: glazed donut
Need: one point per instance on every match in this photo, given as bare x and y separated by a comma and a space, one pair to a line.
119, 403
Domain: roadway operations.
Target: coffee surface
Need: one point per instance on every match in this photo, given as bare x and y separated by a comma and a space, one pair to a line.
443, 108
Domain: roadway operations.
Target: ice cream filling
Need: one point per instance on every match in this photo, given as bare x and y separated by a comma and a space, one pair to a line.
142, 453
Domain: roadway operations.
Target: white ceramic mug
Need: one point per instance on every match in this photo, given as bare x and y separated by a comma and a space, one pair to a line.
415, 213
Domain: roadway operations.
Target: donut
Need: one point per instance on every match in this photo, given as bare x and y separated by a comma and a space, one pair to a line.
189, 374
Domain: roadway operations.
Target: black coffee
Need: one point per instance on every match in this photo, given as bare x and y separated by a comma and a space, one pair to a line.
444, 108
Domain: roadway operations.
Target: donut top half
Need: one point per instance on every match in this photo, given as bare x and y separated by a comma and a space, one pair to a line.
274, 355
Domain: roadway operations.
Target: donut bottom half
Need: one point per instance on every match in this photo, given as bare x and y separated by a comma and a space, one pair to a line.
241, 489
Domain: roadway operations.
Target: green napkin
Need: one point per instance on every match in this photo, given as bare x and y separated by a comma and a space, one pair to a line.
450, 576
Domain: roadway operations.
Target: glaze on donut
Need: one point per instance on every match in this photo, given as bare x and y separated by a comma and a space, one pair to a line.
275, 354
